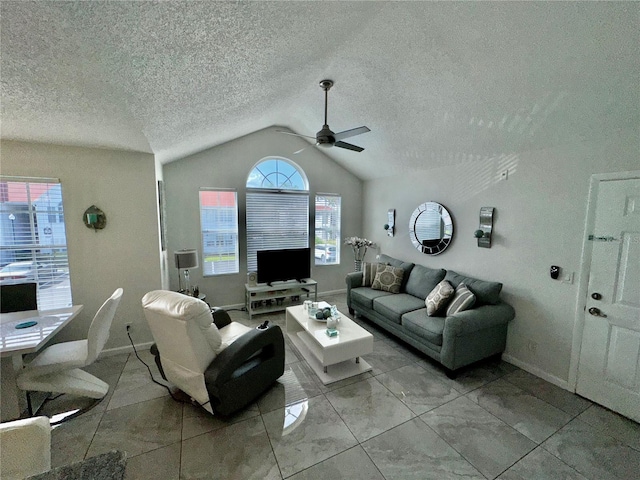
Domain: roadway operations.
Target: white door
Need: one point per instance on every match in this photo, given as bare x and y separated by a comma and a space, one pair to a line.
609, 366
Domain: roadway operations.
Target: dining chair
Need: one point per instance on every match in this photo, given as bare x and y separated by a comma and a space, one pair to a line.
57, 369
26, 448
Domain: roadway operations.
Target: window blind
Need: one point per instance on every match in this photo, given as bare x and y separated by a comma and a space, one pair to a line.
219, 225
327, 229
33, 241
276, 220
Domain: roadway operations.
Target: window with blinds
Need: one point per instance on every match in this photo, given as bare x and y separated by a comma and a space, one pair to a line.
277, 211
33, 240
219, 226
327, 229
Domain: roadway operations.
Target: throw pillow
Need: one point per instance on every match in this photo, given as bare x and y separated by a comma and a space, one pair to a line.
438, 297
388, 278
461, 301
369, 271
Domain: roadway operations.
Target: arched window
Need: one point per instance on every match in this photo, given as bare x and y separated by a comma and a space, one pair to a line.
277, 207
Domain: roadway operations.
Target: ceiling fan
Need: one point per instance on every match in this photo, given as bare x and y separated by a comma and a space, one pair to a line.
325, 137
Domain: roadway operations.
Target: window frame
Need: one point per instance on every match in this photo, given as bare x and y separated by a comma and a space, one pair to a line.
203, 242
334, 232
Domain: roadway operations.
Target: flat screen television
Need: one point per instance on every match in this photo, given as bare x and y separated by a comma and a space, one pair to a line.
283, 265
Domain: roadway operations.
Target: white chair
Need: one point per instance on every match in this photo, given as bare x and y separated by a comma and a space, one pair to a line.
57, 369
26, 448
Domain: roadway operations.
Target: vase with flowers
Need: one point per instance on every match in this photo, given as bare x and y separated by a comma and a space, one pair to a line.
359, 246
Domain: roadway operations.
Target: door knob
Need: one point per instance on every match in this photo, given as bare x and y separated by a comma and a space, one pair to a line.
596, 312
596, 296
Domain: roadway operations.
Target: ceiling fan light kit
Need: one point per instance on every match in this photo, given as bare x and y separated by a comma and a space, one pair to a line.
325, 138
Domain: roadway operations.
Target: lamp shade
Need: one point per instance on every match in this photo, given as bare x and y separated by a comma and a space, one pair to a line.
186, 258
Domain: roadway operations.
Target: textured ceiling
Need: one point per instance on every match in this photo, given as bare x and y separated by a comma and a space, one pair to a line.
437, 82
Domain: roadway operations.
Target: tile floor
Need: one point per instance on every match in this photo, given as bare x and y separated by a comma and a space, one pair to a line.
403, 420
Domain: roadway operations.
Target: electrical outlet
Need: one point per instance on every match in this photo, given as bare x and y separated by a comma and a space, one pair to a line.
504, 175
568, 278
128, 326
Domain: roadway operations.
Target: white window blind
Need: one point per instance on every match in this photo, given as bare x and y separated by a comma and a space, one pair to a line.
219, 225
327, 227
33, 241
276, 220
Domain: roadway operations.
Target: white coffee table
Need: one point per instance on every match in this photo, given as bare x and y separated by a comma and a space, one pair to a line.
332, 358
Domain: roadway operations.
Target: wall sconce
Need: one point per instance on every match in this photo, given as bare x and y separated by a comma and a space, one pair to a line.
389, 227
483, 234
94, 218
185, 259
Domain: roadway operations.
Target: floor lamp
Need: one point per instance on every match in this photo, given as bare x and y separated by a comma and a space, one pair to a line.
185, 259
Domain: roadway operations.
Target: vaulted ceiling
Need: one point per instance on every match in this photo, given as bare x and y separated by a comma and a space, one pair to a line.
437, 82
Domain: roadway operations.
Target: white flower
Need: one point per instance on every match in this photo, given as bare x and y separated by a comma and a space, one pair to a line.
359, 246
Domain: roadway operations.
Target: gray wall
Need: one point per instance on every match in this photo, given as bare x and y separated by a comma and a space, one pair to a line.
124, 254
539, 222
227, 166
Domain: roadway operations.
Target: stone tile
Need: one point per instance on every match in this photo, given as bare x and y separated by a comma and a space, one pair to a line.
296, 384
107, 366
162, 463
413, 451
467, 380
556, 396
523, 411
385, 358
133, 362
417, 389
541, 465
611, 423
353, 464
139, 428
368, 408
305, 434
343, 383
595, 455
489, 444
135, 385
238, 451
196, 420
70, 440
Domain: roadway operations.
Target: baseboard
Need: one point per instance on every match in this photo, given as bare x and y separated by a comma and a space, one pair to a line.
126, 349
564, 384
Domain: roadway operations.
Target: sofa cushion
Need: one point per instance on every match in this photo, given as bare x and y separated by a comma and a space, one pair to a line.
365, 296
485, 292
422, 280
424, 326
439, 297
393, 307
388, 278
406, 266
461, 301
369, 270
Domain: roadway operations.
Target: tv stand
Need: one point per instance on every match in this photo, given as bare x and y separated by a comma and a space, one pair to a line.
264, 298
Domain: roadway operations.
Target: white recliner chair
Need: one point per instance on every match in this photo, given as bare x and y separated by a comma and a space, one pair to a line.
57, 368
223, 365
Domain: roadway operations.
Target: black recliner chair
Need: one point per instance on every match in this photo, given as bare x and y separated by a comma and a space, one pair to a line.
223, 365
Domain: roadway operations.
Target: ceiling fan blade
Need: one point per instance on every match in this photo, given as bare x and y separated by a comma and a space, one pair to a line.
351, 133
295, 134
348, 146
300, 151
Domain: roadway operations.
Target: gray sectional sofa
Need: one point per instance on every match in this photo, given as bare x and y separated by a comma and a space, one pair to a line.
454, 341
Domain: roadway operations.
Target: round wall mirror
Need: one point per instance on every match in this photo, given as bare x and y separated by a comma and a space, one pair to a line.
431, 228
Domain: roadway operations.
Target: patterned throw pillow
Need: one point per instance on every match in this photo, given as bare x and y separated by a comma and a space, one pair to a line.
369, 271
461, 301
388, 278
438, 297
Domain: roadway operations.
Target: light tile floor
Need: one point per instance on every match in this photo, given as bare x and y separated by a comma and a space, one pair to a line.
403, 420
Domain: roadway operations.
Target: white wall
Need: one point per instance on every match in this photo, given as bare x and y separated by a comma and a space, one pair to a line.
227, 166
125, 253
539, 222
